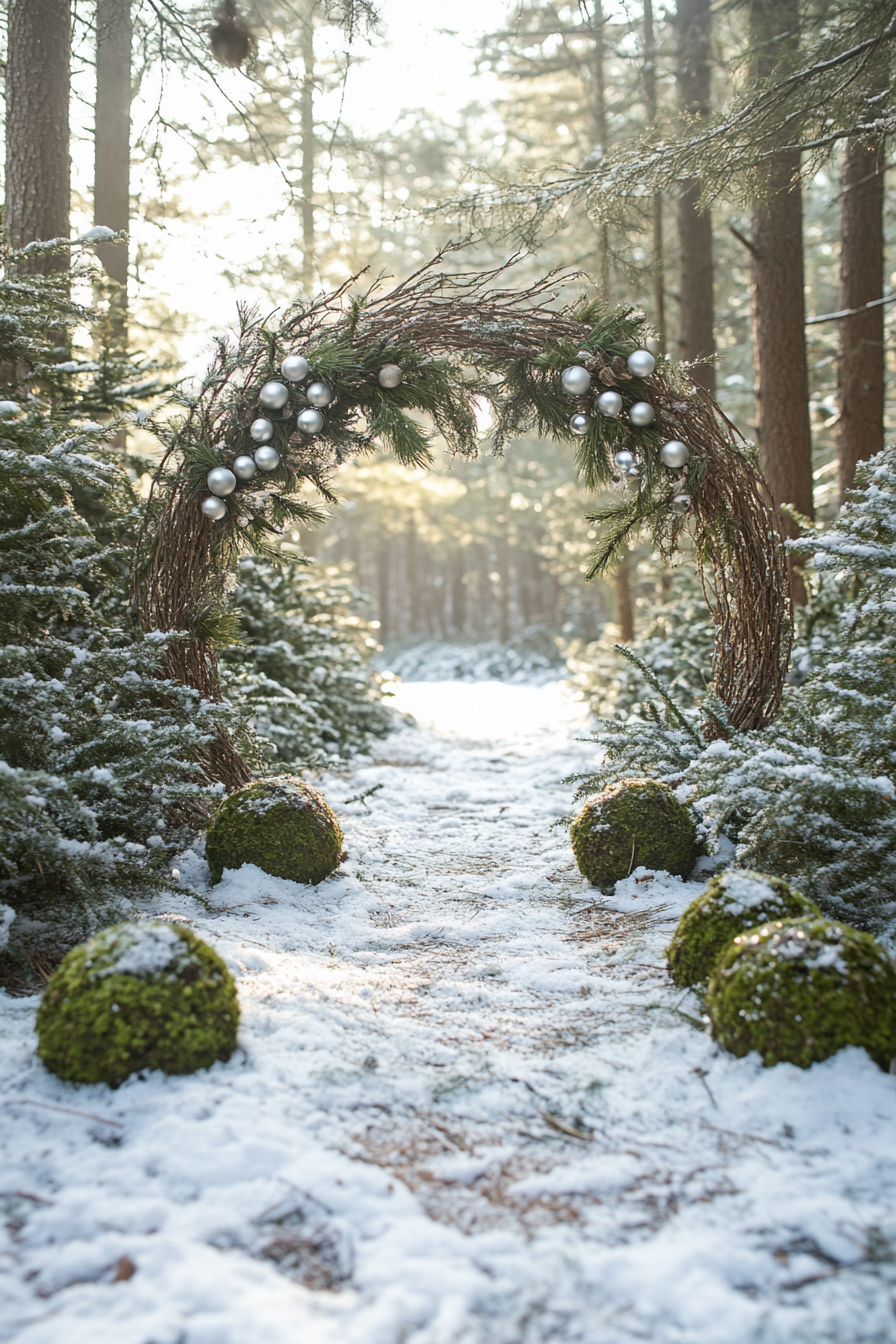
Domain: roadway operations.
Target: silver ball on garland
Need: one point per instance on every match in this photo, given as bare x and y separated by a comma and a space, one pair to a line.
390, 375
642, 413
295, 368
610, 404
580, 423
624, 459
681, 503
221, 481
310, 421
634, 471
274, 396
675, 454
319, 394
641, 363
244, 468
261, 430
653, 345
267, 458
214, 508
576, 380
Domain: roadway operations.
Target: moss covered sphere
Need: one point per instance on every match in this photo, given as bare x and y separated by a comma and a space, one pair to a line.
283, 826
633, 823
731, 903
137, 996
800, 991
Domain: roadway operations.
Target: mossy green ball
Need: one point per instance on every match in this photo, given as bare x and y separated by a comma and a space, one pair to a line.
732, 902
137, 996
632, 823
284, 826
800, 991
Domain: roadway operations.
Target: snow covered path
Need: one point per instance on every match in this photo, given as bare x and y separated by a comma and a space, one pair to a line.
468, 1106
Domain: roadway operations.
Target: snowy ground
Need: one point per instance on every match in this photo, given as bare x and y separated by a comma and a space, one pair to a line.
468, 1106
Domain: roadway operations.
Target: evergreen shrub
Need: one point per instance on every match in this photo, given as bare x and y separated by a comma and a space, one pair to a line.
137, 996
631, 823
799, 991
731, 903
283, 826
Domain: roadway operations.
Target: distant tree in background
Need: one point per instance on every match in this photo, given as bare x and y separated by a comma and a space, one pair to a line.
696, 301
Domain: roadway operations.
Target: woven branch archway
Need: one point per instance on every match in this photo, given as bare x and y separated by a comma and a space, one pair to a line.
459, 341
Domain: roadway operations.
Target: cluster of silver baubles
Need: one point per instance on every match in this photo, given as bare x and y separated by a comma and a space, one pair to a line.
274, 396
641, 364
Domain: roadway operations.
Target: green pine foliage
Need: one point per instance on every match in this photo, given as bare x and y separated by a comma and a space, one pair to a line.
302, 668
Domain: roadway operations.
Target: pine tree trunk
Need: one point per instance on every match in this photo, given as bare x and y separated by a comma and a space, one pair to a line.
600, 130
112, 137
696, 320
861, 366
38, 161
625, 614
307, 119
778, 302
656, 207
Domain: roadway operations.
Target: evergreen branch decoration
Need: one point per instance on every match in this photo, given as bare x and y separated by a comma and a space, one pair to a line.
463, 343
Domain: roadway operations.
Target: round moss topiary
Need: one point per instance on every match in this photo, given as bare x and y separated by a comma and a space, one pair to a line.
632, 823
800, 991
732, 902
283, 826
137, 996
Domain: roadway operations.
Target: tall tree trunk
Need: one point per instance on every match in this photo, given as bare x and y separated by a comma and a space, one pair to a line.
656, 207
861, 365
38, 161
383, 586
600, 130
696, 319
778, 302
625, 612
307, 119
112, 141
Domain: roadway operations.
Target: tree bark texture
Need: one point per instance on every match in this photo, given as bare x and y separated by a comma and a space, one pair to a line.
112, 137
861, 365
38, 162
308, 147
696, 319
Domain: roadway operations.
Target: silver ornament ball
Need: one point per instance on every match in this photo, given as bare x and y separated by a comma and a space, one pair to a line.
675, 454
642, 413
261, 430
267, 458
319, 394
576, 380
624, 459
274, 396
390, 375
244, 468
653, 345
634, 472
310, 421
221, 481
214, 508
295, 368
641, 363
580, 423
609, 403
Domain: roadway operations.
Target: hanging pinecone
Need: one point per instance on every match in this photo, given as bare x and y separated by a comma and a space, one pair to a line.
230, 40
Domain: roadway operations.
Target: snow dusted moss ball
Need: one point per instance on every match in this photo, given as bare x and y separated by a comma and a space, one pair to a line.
283, 826
137, 996
633, 822
801, 991
732, 902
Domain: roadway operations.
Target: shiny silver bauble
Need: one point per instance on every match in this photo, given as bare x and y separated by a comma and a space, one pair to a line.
675, 454
319, 394
244, 468
653, 345
634, 472
624, 459
221, 481
390, 375
295, 368
580, 423
261, 430
642, 413
641, 363
609, 403
274, 396
576, 380
267, 458
214, 508
310, 421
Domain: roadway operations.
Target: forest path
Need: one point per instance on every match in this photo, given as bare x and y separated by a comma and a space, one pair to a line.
468, 1104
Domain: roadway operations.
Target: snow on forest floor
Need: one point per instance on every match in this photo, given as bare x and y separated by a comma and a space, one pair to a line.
468, 1105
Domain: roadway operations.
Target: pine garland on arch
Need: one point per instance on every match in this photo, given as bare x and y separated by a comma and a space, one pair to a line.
287, 400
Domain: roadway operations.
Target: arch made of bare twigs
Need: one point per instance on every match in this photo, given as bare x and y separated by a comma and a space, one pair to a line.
461, 341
